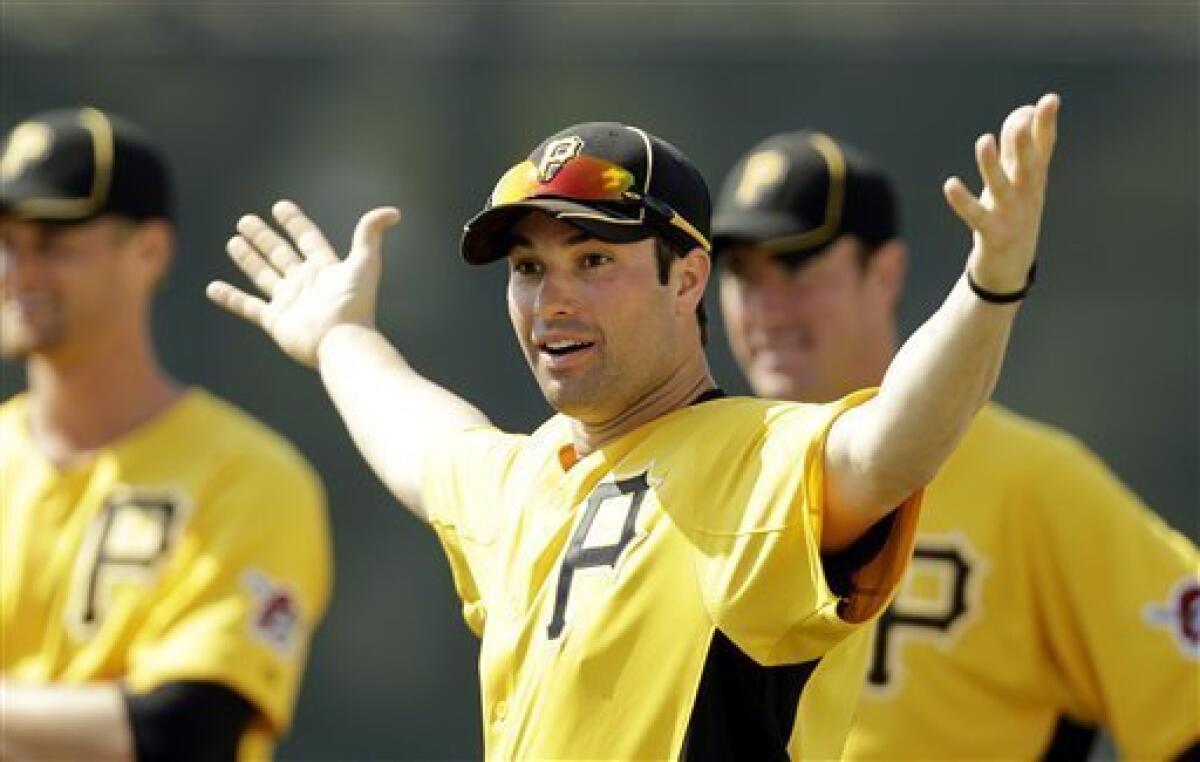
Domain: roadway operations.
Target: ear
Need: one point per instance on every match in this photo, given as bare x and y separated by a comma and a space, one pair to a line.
154, 241
888, 266
691, 273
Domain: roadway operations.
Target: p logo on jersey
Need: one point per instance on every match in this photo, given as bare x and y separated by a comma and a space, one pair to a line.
940, 597
123, 553
1180, 614
608, 526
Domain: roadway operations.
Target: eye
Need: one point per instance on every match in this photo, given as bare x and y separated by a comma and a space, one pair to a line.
595, 259
734, 265
526, 267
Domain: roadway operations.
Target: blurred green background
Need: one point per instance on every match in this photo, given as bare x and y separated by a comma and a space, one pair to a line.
341, 106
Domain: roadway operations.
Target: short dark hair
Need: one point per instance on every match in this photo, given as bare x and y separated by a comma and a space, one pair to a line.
666, 252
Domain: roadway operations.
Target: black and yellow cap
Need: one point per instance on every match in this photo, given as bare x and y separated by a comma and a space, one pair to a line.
656, 191
795, 192
72, 165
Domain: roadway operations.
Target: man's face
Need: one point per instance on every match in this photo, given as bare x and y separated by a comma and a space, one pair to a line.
62, 286
809, 332
597, 327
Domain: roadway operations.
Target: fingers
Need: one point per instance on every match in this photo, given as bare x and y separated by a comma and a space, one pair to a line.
965, 205
252, 263
368, 234
1016, 144
1028, 163
278, 252
1006, 215
1045, 126
987, 157
236, 301
307, 236
1028, 138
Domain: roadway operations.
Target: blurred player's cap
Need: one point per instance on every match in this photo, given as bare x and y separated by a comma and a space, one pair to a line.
72, 165
796, 192
615, 182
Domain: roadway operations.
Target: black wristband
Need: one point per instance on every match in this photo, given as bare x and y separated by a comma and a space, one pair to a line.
1013, 296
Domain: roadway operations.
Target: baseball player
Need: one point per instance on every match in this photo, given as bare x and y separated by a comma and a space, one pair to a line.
1044, 598
164, 556
659, 570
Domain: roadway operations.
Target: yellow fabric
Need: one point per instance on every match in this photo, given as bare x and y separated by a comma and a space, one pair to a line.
1068, 583
726, 536
157, 560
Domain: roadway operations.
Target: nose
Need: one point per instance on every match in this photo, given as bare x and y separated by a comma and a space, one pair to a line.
769, 297
557, 296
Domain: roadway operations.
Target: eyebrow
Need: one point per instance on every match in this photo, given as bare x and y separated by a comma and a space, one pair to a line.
513, 240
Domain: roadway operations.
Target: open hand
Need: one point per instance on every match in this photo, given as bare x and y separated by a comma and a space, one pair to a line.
309, 289
1005, 218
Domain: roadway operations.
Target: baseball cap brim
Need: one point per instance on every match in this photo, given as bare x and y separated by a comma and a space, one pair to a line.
757, 226
483, 232
16, 198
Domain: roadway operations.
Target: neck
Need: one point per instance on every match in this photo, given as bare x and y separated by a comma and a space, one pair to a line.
688, 382
81, 403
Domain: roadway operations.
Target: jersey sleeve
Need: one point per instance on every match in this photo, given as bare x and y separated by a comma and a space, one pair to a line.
1122, 593
759, 564
246, 587
463, 478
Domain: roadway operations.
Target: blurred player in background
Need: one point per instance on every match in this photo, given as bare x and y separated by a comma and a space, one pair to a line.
659, 571
164, 557
1044, 598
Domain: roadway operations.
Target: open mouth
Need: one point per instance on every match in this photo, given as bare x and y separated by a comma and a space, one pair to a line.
564, 348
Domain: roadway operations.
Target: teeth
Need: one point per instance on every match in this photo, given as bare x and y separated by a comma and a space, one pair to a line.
557, 345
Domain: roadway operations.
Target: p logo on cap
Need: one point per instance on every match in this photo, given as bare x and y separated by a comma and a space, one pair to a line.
74, 164
30, 142
556, 155
764, 170
795, 192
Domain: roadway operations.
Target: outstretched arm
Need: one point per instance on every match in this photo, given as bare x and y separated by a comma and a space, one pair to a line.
320, 310
882, 451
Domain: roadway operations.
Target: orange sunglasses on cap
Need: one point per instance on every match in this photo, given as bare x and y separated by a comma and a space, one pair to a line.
585, 178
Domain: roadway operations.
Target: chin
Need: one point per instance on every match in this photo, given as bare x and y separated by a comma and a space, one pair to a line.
561, 396
782, 387
576, 400
772, 385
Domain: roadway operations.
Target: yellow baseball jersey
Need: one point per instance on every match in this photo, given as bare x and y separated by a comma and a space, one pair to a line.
194, 548
665, 596
1041, 588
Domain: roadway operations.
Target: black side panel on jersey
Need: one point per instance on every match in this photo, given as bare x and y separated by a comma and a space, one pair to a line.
1190, 754
742, 709
1071, 741
840, 565
188, 721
